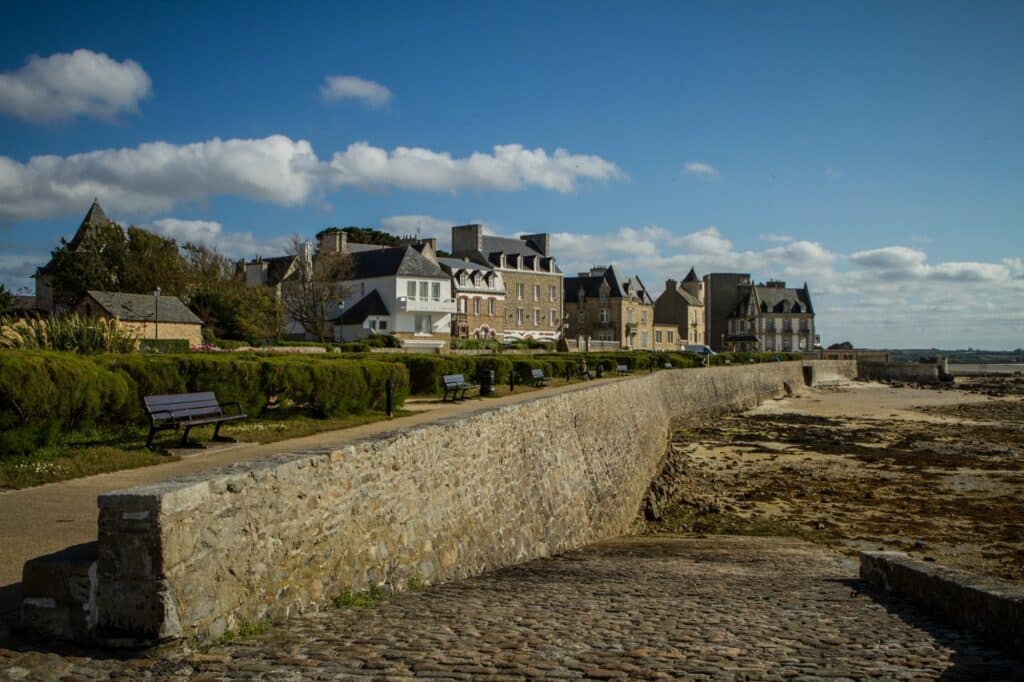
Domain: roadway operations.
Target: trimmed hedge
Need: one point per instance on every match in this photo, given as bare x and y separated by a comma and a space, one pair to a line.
45, 394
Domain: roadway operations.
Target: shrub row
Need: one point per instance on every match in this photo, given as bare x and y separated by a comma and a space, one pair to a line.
44, 394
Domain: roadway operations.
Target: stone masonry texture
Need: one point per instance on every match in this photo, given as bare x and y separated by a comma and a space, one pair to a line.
193, 558
664, 607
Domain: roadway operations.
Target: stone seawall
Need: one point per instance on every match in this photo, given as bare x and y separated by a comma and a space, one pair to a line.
193, 558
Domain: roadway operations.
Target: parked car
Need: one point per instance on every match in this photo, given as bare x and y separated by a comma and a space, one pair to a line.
699, 350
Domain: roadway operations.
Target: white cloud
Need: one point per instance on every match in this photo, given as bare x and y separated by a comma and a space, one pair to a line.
156, 176
890, 258
372, 94
63, 85
16, 269
211, 233
701, 169
778, 238
510, 167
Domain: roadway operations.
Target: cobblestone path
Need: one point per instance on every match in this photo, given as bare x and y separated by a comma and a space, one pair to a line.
635, 608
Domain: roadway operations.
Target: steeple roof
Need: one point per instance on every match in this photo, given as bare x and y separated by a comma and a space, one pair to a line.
691, 276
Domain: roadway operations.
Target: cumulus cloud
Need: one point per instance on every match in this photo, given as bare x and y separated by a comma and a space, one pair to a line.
211, 233
701, 169
371, 94
16, 269
156, 176
510, 167
65, 85
890, 258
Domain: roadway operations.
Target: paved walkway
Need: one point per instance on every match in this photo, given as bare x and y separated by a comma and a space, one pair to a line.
48, 518
634, 608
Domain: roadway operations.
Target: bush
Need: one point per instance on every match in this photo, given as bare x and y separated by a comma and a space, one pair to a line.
165, 345
44, 394
68, 333
475, 344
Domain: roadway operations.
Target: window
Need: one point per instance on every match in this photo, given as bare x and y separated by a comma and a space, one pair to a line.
604, 315
536, 292
422, 323
581, 315
490, 306
643, 316
803, 343
657, 336
382, 325
553, 317
435, 291
410, 289
423, 290
644, 340
462, 304
670, 337
519, 316
476, 306
536, 317
769, 343
462, 278
551, 293
520, 291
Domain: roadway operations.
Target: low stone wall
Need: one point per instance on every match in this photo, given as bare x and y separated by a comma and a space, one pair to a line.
195, 557
820, 372
918, 372
994, 609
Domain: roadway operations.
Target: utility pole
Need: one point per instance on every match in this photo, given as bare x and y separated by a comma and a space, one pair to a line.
156, 314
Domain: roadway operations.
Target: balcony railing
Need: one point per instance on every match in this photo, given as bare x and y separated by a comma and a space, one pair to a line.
423, 305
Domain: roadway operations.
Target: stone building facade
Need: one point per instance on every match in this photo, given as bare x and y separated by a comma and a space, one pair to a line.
144, 315
681, 306
479, 293
771, 317
533, 283
601, 306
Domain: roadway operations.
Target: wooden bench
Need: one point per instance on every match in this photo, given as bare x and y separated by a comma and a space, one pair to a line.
454, 384
538, 378
623, 370
177, 410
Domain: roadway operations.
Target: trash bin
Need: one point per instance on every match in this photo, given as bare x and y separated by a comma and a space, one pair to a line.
485, 377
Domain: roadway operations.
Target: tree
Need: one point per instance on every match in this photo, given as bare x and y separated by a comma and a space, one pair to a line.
153, 261
312, 294
6, 302
97, 262
259, 315
843, 345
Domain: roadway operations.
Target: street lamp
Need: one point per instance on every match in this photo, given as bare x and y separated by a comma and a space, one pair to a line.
156, 314
341, 322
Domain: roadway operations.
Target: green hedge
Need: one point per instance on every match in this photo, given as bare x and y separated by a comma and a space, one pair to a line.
45, 394
165, 345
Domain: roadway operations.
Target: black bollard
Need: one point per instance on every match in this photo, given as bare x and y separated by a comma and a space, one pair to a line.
389, 397
568, 373
512, 381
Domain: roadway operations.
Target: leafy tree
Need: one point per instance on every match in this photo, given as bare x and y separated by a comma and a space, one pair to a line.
153, 261
259, 314
311, 295
366, 235
97, 263
6, 302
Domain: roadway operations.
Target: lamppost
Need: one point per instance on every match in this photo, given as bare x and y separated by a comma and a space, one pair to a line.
341, 311
156, 314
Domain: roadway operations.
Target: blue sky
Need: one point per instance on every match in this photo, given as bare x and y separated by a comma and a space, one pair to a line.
873, 150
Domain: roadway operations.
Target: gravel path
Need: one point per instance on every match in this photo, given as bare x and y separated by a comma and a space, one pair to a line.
636, 608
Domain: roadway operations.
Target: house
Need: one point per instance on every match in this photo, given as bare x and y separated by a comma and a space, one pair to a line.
680, 309
479, 293
90, 231
722, 294
533, 282
602, 306
399, 290
150, 317
772, 317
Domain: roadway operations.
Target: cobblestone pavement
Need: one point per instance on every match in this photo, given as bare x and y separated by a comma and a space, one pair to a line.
635, 608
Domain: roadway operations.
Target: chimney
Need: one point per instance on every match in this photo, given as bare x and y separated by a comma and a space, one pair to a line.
467, 239
332, 241
538, 241
670, 285
307, 251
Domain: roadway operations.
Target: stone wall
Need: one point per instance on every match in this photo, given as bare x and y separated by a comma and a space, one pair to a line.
194, 557
919, 372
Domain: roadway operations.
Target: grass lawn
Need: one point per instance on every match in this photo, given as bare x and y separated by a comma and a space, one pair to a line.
85, 454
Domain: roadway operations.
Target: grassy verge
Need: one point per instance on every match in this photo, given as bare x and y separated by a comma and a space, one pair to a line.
86, 454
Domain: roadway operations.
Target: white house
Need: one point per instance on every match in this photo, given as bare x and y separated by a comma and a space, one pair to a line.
397, 290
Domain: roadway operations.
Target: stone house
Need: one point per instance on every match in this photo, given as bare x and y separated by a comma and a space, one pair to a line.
681, 306
145, 315
772, 317
601, 306
479, 293
533, 282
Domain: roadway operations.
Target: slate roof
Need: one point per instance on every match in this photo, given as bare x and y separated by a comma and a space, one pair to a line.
691, 276
456, 264
278, 267
777, 299
617, 287
94, 216
518, 254
398, 260
142, 307
371, 304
